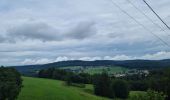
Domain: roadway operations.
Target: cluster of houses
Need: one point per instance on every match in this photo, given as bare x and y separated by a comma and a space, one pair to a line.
132, 72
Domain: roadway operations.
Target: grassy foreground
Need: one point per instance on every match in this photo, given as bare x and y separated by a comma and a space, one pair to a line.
46, 89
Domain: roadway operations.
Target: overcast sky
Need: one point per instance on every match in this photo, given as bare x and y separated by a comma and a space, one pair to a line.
43, 31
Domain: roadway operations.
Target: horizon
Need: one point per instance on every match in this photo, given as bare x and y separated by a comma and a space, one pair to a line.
84, 61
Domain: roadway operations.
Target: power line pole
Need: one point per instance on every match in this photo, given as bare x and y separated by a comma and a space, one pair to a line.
156, 14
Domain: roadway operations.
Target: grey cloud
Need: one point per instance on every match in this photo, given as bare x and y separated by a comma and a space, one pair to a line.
40, 31
82, 30
2, 39
44, 32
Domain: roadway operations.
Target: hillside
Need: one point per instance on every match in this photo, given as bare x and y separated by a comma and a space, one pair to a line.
137, 64
45, 89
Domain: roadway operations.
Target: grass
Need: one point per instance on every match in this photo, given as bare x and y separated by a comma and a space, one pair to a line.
110, 70
134, 93
46, 89
99, 69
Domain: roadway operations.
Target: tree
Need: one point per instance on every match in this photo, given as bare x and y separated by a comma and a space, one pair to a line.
10, 83
102, 85
120, 89
46, 73
138, 85
159, 81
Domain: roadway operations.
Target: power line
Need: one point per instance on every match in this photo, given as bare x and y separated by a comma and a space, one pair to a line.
156, 14
164, 42
147, 17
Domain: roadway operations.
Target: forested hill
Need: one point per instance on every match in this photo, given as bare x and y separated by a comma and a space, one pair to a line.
146, 64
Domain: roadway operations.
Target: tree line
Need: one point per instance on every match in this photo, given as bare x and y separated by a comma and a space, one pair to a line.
71, 77
157, 83
10, 83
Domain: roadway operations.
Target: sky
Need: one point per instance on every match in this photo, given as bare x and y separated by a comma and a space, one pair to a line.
45, 31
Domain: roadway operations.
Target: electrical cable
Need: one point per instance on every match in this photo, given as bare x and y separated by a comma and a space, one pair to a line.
147, 17
164, 42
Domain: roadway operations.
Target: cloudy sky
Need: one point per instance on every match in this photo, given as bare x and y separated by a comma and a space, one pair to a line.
43, 31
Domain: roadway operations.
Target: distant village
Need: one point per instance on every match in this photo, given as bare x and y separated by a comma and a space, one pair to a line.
123, 73
131, 72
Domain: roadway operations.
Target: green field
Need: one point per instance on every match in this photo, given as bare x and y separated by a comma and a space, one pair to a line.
110, 70
134, 93
45, 89
97, 70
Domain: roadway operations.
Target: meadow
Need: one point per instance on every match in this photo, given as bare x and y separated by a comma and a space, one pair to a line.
110, 70
97, 70
46, 89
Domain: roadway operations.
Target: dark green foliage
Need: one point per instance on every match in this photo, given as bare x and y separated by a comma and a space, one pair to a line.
121, 89
65, 75
77, 79
102, 85
150, 95
46, 73
138, 85
68, 81
87, 78
160, 81
10, 83
137, 82
53, 73
81, 78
